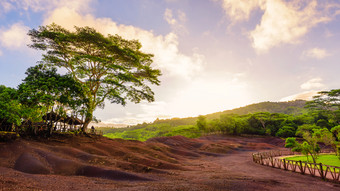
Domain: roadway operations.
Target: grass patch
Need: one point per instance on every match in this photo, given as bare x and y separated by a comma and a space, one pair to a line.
326, 159
154, 130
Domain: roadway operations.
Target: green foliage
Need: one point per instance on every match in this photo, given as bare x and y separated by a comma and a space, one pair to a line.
290, 108
45, 88
227, 124
201, 123
10, 107
108, 67
286, 131
8, 136
305, 148
293, 144
150, 131
310, 146
326, 108
336, 131
306, 128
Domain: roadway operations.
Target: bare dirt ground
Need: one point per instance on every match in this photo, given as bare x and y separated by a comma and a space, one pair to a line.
167, 163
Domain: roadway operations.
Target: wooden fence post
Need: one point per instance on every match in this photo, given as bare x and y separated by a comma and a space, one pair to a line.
321, 171
284, 164
301, 168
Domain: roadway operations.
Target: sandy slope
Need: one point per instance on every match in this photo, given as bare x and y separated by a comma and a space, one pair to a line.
167, 163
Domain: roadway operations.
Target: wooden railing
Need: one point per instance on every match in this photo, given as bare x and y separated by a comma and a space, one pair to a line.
272, 159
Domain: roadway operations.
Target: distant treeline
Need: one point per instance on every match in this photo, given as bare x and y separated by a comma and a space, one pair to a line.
281, 119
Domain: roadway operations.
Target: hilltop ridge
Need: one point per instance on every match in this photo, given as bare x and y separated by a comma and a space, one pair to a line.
289, 107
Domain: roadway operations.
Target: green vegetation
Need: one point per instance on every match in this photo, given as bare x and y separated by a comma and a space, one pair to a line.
107, 67
8, 136
325, 107
98, 68
317, 122
326, 159
161, 130
260, 123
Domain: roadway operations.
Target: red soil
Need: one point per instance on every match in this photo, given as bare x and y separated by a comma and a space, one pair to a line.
166, 163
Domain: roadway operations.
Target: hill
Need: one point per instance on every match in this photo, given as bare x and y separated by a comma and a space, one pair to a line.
186, 126
290, 107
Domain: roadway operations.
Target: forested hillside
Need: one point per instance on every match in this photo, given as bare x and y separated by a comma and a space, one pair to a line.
188, 126
290, 108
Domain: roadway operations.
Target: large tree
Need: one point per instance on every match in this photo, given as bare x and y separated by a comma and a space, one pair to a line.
108, 67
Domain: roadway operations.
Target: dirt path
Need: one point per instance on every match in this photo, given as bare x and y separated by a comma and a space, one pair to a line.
236, 172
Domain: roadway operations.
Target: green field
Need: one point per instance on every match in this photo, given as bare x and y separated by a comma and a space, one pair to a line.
153, 130
326, 159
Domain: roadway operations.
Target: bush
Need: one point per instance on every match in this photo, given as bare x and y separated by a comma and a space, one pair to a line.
8, 136
286, 131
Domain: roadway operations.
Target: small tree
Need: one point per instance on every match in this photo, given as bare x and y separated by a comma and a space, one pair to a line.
46, 91
326, 136
201, 123
336, 133
227, 124
310, 146
305, 148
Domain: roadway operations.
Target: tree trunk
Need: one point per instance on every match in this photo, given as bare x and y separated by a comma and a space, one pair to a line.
86, 123
88, 119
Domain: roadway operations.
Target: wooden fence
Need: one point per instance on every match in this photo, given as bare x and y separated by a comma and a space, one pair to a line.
272, 159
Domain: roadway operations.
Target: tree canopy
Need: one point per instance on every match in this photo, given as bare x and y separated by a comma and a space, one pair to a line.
9, 106
107, 67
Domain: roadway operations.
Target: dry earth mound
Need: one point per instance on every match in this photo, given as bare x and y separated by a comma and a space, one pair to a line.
166, 163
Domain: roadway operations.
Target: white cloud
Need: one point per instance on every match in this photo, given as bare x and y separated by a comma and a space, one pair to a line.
15, 37
310, 89
43, 5
204, 94
177, 25
167, 56
317, 53
239, 10
169, 17
313, 84
307, 95
6, 6
282, 22
208, 94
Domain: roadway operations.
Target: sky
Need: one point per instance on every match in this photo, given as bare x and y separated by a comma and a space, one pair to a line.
214, 54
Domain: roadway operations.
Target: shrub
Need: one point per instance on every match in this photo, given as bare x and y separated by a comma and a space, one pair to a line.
8, 136
286, 131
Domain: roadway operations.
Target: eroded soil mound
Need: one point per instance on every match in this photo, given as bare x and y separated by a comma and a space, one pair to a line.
166, 163
107, 158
